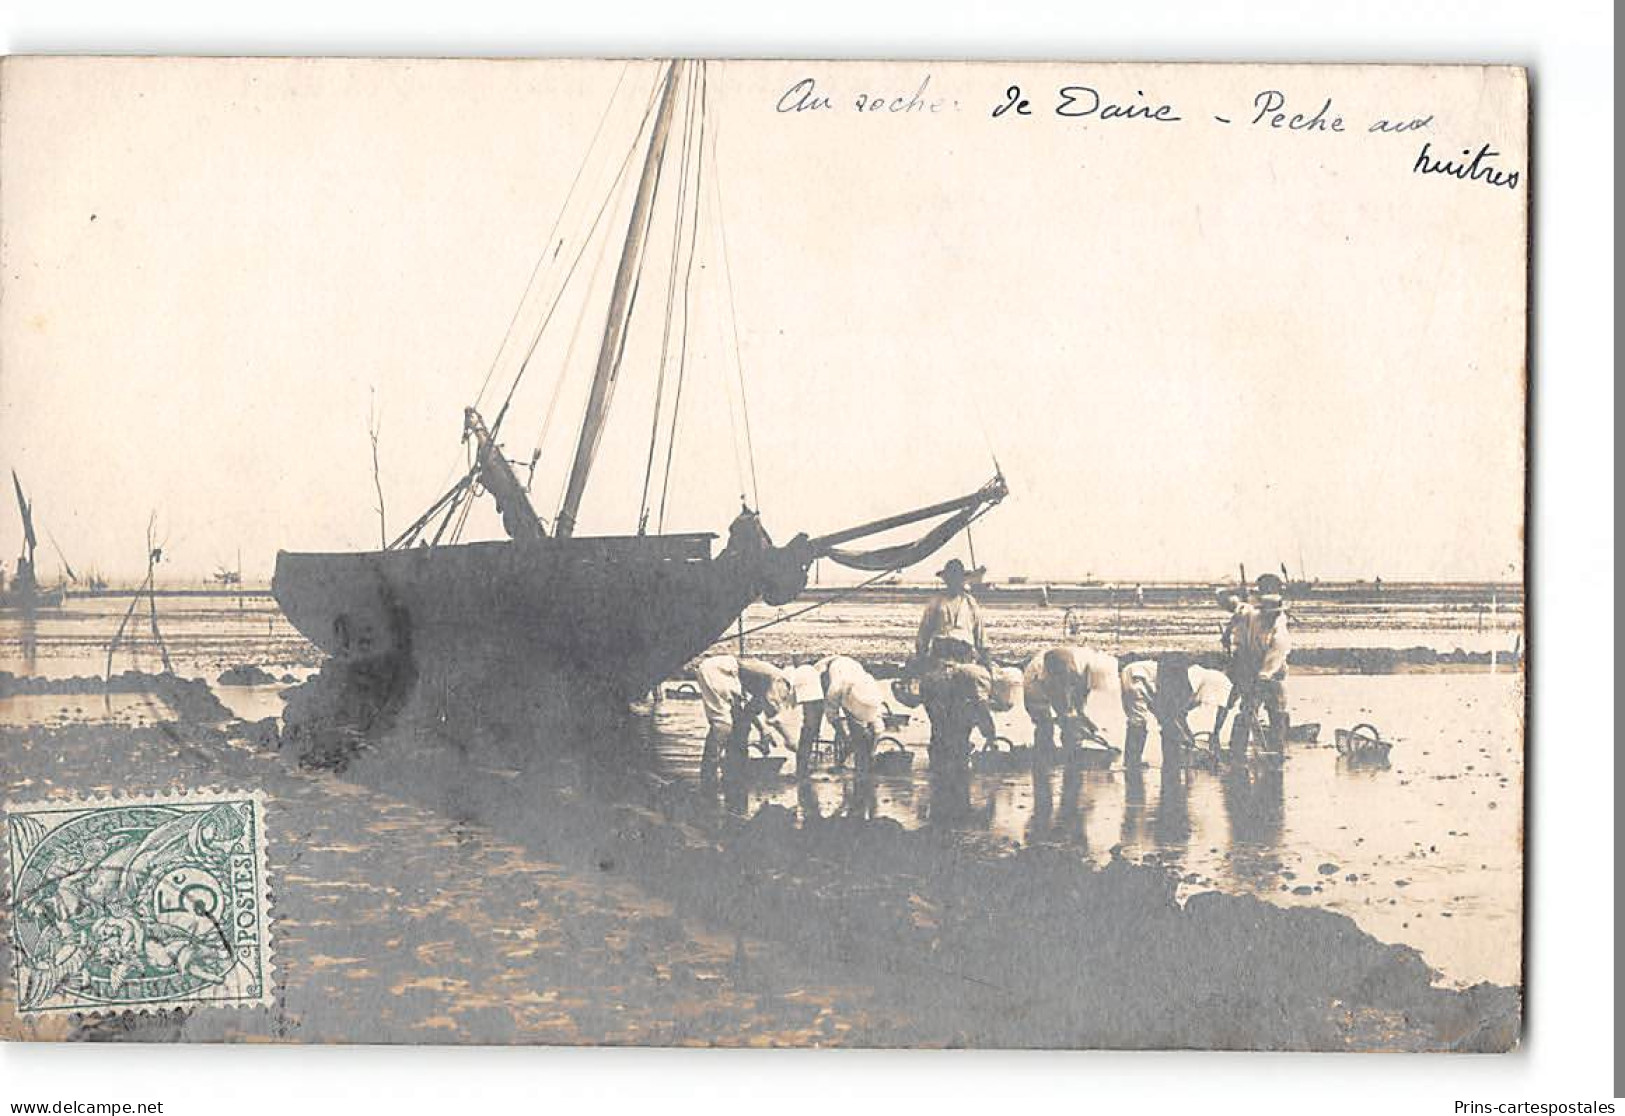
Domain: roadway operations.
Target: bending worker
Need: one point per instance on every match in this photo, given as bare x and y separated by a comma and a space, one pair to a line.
1055, 688
738, 695
1168, 689
855, 703
807, 683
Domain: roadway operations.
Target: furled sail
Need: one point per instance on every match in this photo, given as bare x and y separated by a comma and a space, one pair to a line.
963, 511
903, 554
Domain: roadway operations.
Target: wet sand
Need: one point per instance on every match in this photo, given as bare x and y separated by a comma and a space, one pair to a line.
464, 885
394, 923
484, 881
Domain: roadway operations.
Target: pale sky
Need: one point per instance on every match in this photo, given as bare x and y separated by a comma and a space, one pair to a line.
1190, 345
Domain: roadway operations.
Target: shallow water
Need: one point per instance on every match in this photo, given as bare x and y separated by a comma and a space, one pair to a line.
204, 635
1434, 844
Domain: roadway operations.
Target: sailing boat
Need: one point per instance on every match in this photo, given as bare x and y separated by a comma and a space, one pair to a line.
618, 612
23, 591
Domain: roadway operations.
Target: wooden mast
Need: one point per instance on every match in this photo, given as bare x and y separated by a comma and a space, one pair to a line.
609, 353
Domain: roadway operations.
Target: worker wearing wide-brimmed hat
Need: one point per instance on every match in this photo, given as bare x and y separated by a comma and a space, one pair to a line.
1258, 665
952, 663
951, 629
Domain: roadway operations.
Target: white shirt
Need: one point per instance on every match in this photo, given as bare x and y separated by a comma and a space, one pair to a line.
1084, 670
852, 692
953, 617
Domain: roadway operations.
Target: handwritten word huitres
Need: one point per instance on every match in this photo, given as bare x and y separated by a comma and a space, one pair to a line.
1476, 169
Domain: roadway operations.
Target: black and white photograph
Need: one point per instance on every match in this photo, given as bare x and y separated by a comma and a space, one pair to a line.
669, 550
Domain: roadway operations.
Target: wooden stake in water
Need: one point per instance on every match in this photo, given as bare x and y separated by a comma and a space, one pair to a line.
149, 589
1493, 635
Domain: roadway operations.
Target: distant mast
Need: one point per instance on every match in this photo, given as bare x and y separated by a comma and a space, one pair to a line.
615, 326
29, 541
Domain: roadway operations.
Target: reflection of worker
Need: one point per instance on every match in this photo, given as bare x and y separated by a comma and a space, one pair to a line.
738, 695
951, 657
854, 703
1258, 666
1167, 688
1055, 688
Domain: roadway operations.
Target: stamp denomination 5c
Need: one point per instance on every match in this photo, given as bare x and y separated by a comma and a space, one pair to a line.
139, 903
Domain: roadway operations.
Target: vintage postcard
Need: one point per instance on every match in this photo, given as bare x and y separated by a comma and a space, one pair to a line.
759, 553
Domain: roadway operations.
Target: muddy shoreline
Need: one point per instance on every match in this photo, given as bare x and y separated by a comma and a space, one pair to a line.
671, 907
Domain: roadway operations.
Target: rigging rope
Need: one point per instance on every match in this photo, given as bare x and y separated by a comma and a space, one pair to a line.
615, 185
631, 307
839, 595
621, 174
462, 498
688, 277
557, 221
671, 296
733, 427
462, 518
788, 616
569, 353
733, 320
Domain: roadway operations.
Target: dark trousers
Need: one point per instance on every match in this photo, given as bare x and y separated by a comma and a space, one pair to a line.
812, 723
863, 749
1270, 696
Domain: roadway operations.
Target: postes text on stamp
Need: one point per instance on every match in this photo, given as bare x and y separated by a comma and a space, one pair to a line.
136, 903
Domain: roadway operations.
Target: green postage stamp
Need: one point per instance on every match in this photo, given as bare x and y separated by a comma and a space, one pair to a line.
139, 903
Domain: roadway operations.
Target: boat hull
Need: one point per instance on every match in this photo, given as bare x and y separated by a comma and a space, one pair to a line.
30, 600
620, 613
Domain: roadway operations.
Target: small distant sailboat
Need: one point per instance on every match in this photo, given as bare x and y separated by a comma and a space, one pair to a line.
227, 576
23, 591
622, 612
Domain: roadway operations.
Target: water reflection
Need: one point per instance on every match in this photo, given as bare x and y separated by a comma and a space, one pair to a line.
28, 639
948, 801
1238, 828
1057, 822
1038, 825
860, 797
1254, 802
1171, 828
1445, 818
1069, 819
1134, 832
807, 805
